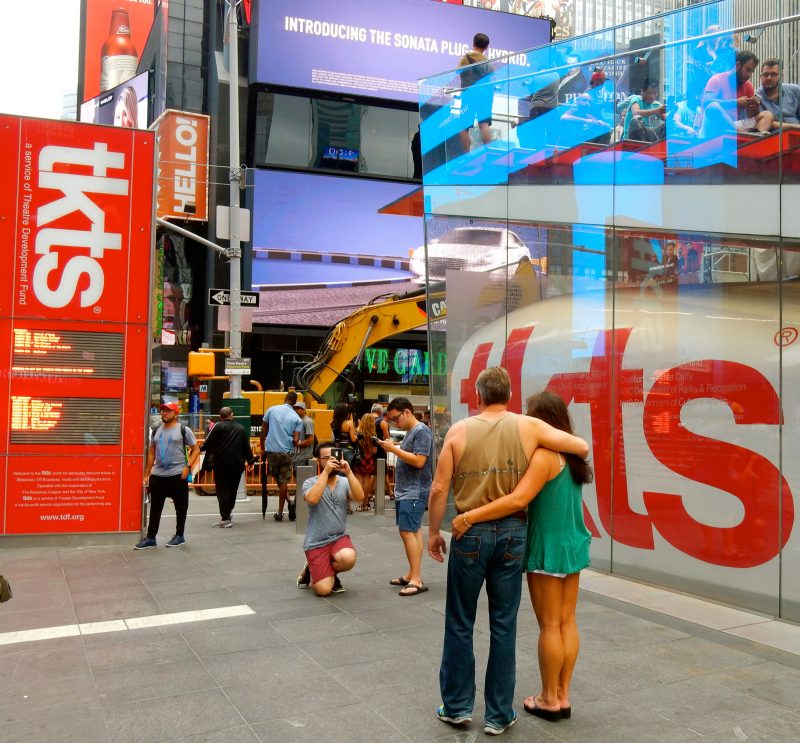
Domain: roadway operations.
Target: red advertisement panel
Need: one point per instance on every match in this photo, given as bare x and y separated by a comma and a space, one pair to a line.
77, 207
113, 37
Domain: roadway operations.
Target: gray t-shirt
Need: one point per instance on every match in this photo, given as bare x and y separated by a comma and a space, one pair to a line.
170, 450
789, 103
306, 452
409, 481
326, 520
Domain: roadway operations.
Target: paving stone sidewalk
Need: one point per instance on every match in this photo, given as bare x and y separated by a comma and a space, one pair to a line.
360, 666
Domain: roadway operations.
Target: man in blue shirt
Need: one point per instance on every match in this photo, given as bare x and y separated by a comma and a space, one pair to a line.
412, 484
281, 430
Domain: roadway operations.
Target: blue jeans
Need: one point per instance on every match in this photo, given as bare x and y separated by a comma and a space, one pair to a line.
491, 552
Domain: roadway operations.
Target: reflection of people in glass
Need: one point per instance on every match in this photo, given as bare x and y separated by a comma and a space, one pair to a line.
782, 100
477, 94
730, 102
644, 119
126, 112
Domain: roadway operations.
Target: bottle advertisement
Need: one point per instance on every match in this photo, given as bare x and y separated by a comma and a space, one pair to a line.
114, 35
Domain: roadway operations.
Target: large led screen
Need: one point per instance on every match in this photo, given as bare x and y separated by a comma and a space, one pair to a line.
378, 49
321, 247
125, 105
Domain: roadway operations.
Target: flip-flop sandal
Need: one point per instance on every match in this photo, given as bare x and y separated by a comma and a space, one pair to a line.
398, 582
551, 715
412, 589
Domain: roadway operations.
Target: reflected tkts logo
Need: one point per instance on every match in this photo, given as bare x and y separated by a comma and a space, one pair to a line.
764, 528
60, 275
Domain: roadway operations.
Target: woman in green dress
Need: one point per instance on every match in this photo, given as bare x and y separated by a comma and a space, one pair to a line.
557, 550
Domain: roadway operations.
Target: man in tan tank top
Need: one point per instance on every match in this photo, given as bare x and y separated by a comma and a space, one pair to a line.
484, 457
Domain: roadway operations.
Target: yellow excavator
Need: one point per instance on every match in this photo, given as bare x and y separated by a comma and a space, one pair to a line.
384, 316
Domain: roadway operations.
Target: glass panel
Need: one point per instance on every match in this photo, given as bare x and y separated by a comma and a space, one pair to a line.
655, 195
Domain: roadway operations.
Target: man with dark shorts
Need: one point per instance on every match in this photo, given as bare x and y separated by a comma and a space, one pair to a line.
281, 430
328, 548
166, 474
229, 445
412, 484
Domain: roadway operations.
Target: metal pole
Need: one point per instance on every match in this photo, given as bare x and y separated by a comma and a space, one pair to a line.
380, 487
235, 175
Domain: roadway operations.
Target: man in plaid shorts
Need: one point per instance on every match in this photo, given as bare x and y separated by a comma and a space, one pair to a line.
281, 430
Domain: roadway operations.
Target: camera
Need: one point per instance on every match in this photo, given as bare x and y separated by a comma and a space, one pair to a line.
375, 439
336, 453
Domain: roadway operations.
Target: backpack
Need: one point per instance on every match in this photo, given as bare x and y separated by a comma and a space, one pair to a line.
478, 69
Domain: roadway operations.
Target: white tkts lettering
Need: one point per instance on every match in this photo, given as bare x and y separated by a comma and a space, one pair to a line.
75, 188
185, 181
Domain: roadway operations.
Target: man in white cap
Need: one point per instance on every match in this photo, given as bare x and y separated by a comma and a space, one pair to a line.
166, 473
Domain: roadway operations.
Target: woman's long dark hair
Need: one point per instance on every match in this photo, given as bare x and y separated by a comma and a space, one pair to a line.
551, 409
339, 416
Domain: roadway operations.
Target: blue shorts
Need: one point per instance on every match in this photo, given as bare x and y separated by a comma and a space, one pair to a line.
408, 514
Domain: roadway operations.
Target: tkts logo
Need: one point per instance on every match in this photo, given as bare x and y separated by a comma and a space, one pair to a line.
762, 526
72, 258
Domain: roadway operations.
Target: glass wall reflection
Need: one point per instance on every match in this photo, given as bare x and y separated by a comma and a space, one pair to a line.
641, 184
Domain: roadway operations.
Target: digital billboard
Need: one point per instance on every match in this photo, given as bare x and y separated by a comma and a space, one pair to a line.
76, 204
125, 105
113, 37
380, 50
321, 245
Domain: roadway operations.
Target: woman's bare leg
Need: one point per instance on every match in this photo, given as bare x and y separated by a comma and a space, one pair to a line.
546, 597
569, 636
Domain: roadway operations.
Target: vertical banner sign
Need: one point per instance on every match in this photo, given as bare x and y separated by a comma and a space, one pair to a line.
76, 204
182, 166
113, 36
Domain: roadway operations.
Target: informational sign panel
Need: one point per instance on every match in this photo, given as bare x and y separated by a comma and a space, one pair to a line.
182, 165
113, 37
382, 49
76, 204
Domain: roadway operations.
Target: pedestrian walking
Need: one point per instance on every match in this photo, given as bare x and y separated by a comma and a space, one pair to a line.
228, 444
166, 473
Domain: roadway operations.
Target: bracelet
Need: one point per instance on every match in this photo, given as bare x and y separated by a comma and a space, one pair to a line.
466, 523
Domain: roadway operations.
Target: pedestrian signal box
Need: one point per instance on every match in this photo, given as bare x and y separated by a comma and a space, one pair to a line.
201, 364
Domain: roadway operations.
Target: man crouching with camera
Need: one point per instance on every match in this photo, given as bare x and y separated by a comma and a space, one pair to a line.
328, 548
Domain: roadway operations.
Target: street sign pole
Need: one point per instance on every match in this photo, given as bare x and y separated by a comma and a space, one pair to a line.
235, 175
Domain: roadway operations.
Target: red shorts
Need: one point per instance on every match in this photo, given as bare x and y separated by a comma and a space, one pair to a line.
320, 558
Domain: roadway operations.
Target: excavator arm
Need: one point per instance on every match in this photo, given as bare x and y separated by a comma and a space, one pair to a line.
385, 316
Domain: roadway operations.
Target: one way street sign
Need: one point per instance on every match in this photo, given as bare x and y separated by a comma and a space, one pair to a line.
222, 298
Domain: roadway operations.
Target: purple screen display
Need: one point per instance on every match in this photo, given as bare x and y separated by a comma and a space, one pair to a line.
378, 48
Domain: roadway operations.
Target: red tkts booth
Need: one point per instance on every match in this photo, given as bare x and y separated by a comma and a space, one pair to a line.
76, 210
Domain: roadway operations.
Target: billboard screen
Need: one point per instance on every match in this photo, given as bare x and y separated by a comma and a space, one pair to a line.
380, 50
125, 105
113, 37
321, 248
76, 204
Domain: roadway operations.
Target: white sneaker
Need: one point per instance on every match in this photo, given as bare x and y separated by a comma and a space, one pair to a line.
223, 524
492, 730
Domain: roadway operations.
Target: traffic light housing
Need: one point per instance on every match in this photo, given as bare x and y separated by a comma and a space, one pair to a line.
201, 364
